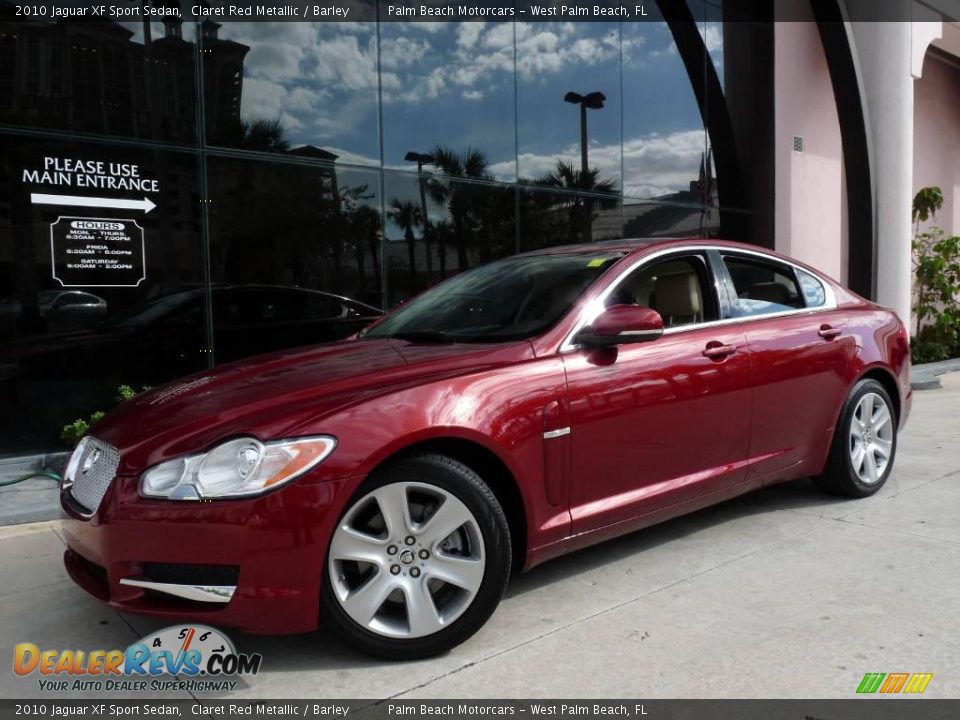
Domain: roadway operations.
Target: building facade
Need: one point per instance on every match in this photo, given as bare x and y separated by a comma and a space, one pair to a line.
179, 194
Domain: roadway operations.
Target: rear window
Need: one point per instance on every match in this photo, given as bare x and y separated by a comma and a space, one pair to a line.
814, 294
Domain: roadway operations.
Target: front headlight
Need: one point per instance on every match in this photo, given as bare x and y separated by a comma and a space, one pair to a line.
236, 468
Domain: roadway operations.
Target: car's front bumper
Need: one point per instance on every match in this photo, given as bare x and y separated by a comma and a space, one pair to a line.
254, 564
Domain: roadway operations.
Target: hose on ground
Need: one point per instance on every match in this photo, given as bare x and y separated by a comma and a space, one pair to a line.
37, 473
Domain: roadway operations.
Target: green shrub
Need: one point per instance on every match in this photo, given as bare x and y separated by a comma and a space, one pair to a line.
936, 259
71, 433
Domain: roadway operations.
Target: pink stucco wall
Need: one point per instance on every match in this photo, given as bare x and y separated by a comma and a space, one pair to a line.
810, 193
936, 137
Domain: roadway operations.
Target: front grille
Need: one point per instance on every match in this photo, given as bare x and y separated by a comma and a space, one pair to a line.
183, 574
93, 472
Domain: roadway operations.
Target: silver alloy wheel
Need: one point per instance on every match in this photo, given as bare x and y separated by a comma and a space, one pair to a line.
406, 560
871, 438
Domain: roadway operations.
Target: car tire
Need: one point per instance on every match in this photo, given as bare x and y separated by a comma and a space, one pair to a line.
394, 585
864, 443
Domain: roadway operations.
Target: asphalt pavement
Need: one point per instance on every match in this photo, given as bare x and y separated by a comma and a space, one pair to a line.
785, 592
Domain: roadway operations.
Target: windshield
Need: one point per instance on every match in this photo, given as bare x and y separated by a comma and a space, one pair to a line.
510, 299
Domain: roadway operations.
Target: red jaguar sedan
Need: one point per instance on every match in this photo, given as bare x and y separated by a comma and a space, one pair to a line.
386, 486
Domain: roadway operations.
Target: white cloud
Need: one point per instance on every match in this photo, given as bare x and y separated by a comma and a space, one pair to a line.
468, 33
713, 37
548, 48
428, 27
342, 63
472, 95
499, 36
263, 98
658, 162
402, 52
654, 165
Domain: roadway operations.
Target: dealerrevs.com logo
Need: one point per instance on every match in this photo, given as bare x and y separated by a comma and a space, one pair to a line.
202, 655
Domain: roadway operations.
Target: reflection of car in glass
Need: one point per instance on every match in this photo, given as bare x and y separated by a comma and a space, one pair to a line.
165, 337
389, 484
62, 309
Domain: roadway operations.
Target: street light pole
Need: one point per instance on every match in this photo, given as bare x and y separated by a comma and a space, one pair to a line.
583, 142
594, 101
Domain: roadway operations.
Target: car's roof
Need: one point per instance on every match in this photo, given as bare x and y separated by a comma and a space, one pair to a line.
628, 245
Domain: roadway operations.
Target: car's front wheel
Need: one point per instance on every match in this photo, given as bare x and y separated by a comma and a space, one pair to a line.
864, 443
418, 561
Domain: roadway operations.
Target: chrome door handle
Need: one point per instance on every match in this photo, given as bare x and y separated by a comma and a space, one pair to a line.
715, 352
828, 333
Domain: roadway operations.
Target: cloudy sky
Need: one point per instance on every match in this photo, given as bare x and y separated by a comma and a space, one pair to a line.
463, 85
466, 85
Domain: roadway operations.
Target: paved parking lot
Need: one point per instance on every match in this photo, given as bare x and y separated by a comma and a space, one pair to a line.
782, 593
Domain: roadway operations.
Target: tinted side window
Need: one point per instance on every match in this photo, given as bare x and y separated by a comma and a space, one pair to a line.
677, 288
813, 293
763, 287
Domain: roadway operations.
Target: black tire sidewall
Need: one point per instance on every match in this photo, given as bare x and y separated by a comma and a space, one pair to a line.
462, 482
852, 484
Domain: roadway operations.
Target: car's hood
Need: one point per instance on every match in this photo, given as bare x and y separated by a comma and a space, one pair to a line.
272, 395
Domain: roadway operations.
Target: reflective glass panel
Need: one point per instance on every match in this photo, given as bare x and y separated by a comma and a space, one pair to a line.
297, 88
100, 280
448, 87
294, 253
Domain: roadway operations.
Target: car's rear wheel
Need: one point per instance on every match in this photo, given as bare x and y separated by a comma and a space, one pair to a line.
418, 561
864, 443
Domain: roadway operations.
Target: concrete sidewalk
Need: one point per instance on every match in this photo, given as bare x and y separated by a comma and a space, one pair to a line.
782, 593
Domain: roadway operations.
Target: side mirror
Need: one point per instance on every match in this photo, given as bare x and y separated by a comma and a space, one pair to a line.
622, 325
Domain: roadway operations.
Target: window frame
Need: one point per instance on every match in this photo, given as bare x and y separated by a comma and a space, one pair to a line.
722, 287
786, 269
706, 275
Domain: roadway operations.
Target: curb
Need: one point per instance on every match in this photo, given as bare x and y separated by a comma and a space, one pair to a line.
925, 376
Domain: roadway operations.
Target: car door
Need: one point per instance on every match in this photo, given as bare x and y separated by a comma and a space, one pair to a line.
657, 423
800, 350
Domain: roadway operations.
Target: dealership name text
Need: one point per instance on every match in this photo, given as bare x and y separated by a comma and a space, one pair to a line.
473, 11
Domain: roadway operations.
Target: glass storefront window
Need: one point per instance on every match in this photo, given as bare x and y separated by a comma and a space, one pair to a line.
664, 142
561, 67
558, 217
100, 78
97, 289
449, 86
217, 190
297, 88
469, 223
294, 254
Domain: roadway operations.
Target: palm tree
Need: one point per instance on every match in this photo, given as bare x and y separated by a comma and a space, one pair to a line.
406, 215
365, 229
442, 234
264, 135
565, 177
459, 197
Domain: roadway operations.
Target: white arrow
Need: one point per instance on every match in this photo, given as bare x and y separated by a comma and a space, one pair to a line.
77, 200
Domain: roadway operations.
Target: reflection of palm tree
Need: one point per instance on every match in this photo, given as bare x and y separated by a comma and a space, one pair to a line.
264, 135
365, 226
406, 215
565, 177
443, 234
458, 196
